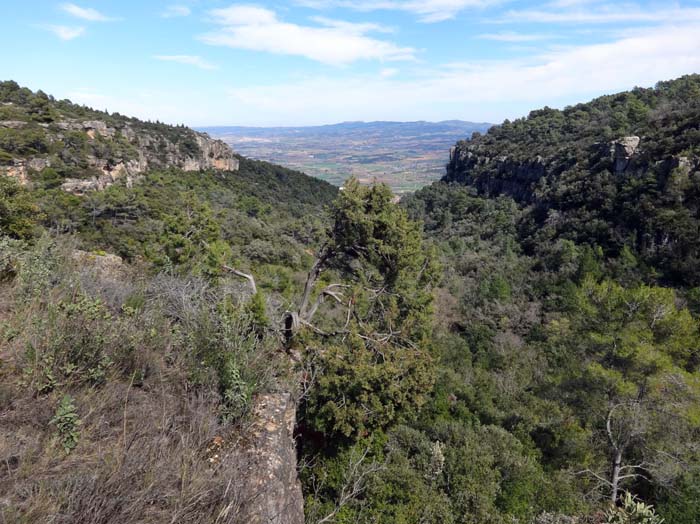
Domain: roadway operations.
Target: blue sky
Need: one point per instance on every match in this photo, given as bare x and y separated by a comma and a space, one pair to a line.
208, 62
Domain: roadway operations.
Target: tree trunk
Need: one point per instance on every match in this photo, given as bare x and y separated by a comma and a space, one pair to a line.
316, 269
615, 477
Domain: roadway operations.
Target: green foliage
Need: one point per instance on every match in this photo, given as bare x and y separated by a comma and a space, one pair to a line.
382, 371
18, 210
365, 386
258, 312
562, 165
185, 220
67, 345
682, 505
632, 511
10, 252
67, 422
538, 337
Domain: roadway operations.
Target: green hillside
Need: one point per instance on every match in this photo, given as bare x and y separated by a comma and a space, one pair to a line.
619, 171
517, 344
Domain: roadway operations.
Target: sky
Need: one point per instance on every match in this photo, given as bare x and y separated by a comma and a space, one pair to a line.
308, 62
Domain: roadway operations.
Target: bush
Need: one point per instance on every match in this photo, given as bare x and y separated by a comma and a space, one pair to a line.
632, 511
67, 423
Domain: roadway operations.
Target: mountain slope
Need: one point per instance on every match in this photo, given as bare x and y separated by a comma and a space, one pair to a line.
140, 380
622, 170
91, 149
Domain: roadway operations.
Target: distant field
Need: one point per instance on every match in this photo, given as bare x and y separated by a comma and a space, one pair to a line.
405, 155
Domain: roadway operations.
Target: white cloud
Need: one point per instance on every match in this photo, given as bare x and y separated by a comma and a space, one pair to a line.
65, 32
352, 27
174, 11
487, 91
427, 10
571, 3
604, 14
85, 13
332, 42
388, 72
509, 36
196, 61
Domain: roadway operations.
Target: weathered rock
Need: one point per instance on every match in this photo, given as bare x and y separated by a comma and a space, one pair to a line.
154, 151
38, 163
17, 170
93, 127
106, 264
270, 488
12, 124
467, 162
622, 151
110, 174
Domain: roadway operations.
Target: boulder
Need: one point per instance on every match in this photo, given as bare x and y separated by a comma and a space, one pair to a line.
622, 151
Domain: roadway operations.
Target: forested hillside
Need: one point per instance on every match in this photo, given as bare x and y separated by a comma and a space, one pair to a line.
620, 171
518, 344
83, 149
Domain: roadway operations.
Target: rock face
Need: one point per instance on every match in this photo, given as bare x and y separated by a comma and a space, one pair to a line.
622, 151
124, 150
493, 175
269, 487
481, 166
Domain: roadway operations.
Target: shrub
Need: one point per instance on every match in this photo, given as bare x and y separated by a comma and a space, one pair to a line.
632, 511
67, 423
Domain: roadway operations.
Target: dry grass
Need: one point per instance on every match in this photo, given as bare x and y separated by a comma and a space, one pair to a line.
141, 455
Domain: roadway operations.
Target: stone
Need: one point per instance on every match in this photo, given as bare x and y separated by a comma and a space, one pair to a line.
18, 171
270, 490
622, 151
12, 124
152, 151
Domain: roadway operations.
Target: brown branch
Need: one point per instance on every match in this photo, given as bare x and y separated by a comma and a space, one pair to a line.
356, 478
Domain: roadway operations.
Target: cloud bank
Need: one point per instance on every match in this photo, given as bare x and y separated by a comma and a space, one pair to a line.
330, 42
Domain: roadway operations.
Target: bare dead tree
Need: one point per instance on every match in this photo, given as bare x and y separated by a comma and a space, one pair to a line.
625, 426
356, 476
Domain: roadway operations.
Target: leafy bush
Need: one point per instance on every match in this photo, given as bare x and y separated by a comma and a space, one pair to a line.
632, 511
18, 209
67, 423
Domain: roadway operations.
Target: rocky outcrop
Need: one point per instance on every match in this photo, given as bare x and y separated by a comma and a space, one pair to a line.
110, 174
152, 151
20, 168
622, 151
269, 490
119, 150
494, 175
12, 124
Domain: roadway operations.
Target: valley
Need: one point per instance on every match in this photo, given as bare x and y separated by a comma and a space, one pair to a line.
517, 342
404, 155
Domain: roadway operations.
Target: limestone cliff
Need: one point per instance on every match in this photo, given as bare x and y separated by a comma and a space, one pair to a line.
90, 150
262, 463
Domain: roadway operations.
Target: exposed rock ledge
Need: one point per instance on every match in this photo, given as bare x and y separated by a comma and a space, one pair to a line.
622, 151
147, 149
268, 489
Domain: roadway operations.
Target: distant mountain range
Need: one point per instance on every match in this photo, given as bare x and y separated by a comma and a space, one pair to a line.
405, 155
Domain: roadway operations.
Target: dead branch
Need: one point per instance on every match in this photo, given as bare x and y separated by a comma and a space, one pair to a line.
355, 482
324, 254
241, 274
328, 291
